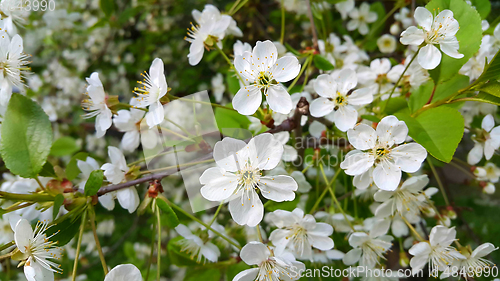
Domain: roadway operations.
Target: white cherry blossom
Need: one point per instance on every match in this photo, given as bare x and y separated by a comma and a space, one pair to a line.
194, 246
13, 64
437, 251
96, 105
299, 233
383, 149
264, 73
272, 266
474, 263
238, 175
154, 87
360, 18
486, 141
439, 30
36, 249
335, 96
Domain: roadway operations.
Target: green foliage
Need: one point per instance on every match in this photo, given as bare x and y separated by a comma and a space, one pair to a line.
483, 7
394, 105
171, 218
491, 70
226, 118
322, 63
233, 85
469, 36
420, 96
234, 269
210, 274
72, 170
94, 183
64, 146
440, 138
26, 137
58, 201
48, 171
107, 6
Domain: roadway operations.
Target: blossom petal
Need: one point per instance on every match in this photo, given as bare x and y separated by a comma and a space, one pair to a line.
483, 250
409, 157
124, 272
264, 55
321, 107
424, 18
285, 69
128, 198
476, 154
386, 176
22, 235
346, 80
362, 137
391, 131
352, 256
248, 212
325, 86
412, 36
218, 185
278, 188
429, 57
450, 46
225, 153
247, 275
361, 96
279, 99
155, 115
345, 117
247, 100
357, 163
254, 253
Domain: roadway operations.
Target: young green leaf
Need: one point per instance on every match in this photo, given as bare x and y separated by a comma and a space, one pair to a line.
322, 63
72, 170
26, 137
64, 146
58, 201
94, 183
441, 137
172, 220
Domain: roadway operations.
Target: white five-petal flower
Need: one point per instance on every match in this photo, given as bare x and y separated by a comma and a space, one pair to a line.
439, 30
437, 251
334, 96
382, 149
194, 246
238, 175
37, 251
299, 233
264, 73
486, 142
360, 18
154, 88
368, 248
12, 65
96, 105
272, 266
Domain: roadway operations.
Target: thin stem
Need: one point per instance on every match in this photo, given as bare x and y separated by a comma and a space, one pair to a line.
282, 37
467, 172
200, 222
306, 63
419, 237
6, 256
230, 13
216, 214
177, 134
440, 184
238, 8
150, 260
39, 183
151, 157
179, 165
332, 192
399, 79
158, 228
259, 233
77, 255
5, 246
324, 191
313, 26
97, 243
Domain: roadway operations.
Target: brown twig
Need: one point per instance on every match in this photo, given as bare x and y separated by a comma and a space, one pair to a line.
313, 27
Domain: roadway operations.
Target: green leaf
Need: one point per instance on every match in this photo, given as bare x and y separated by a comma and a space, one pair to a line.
172, 220
394, 105
420, 96
26, 137
483, 97
438, 129
469, 36
211, 274
322, 63
64, 146
492, 88
72, 170
107, 6
291, 49
491, 70
483, 7
58, 201
369, 117
287, 205
68, 229
226, 118
94, 183
48, 171
233, 85
452, 86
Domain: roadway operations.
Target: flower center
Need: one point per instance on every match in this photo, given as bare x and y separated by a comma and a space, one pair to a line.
265, 79
340, 100
381, 151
